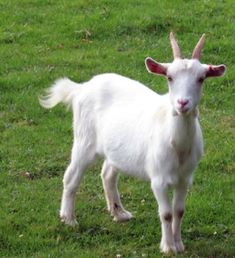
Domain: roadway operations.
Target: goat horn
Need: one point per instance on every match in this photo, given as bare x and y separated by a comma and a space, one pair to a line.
175, 46
198, 48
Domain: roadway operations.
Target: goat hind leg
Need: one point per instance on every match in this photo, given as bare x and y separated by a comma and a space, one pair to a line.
71, 181
109, 178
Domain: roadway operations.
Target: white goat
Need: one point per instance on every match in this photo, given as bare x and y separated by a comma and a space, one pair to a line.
135, 130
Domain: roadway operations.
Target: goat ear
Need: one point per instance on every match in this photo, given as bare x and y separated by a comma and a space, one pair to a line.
215, 70
155, 67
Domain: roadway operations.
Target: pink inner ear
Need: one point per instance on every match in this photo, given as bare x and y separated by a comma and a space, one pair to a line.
155, 67
214, 71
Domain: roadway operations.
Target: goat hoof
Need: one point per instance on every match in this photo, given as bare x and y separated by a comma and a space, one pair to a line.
69, 221
122, 216
167, 248
179, 246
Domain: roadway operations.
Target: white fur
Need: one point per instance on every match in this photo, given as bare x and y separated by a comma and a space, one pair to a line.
137, 132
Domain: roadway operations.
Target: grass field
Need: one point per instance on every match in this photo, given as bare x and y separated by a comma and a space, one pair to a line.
42, 40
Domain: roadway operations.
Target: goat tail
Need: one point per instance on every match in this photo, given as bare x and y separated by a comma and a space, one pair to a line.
62, 91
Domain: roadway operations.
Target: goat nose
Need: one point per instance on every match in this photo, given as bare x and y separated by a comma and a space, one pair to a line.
183, 102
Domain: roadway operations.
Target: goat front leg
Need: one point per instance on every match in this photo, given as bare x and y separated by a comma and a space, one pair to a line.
165, 212
178, 212
109, 178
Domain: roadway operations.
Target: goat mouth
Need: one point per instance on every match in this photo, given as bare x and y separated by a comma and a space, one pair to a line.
183, 111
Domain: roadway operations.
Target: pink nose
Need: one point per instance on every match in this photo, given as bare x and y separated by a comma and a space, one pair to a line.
183, 102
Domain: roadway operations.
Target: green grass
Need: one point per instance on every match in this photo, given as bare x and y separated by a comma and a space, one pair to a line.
42, 40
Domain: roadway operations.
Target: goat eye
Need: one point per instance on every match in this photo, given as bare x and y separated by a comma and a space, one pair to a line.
169, 78
201, 79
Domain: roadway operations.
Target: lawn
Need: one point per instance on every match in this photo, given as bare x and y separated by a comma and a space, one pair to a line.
42, 40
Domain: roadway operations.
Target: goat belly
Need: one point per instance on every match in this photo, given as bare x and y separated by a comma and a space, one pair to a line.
127, 155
